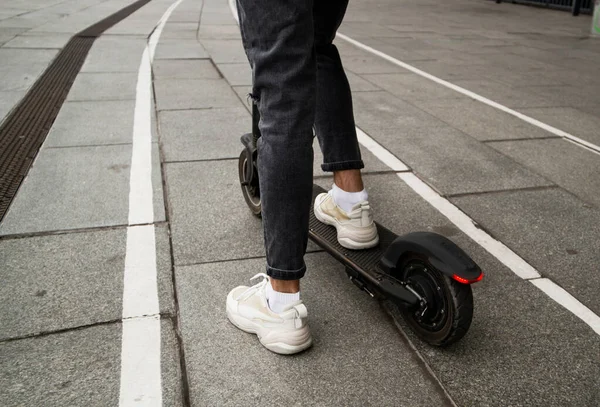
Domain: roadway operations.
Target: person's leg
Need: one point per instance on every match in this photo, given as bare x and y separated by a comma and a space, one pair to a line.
279, 41
335, 129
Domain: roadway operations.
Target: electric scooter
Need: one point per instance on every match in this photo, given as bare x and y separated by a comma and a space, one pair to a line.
425, 274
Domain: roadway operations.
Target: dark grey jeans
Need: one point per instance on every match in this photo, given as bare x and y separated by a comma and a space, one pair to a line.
298, 83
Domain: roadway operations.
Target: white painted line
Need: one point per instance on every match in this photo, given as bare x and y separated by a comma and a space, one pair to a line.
472, 95
140, 363
565, 299
140, 292
496, 248
140, 382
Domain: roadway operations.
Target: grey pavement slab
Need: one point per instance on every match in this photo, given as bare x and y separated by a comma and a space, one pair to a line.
181, 31
184, 69
452, 162
19, 77
65, 281
219, 32
480, 121
513, 97
572, 167
209, 217
8, 100
177, 94
358, 366
451, 70
225, 51
203, 134
237, 74
218, 17
93, 123
84, 366
7, 34
565, 95
358, 84
115, 54
411, 87
369, 64
133, 27
74, 188
515, 326
179, 49
356, 29
384, 110
242, 93
103, 86
527, 222
571, 120
47, 40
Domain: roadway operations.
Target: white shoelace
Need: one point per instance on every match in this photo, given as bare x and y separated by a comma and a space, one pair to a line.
251, 290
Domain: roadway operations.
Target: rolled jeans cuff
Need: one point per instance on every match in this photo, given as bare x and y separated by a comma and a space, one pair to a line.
279, 274
343, 165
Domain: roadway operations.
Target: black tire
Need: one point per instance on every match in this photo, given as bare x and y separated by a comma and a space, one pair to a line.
450, 303
251, 191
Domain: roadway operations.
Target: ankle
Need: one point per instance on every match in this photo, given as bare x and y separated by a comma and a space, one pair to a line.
279, 301
285, 286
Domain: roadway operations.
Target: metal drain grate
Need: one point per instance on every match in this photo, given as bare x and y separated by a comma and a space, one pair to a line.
26, 127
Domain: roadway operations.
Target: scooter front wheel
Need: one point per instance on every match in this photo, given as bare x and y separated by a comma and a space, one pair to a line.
250, 188
445, 314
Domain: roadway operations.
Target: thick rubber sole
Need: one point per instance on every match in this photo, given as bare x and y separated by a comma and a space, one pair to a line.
280, 347
344, 241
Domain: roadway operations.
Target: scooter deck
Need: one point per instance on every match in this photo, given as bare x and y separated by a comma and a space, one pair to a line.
362, 265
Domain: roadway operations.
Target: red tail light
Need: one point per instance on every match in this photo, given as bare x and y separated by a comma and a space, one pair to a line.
467, 281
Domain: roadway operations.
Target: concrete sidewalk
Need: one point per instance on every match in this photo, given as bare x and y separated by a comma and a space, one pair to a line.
63, 242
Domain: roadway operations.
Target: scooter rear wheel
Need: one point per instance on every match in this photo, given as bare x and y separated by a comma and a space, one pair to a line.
448, 310
250, 190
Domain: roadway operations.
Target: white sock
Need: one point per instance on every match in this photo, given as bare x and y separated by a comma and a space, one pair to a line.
346, 200
278, 301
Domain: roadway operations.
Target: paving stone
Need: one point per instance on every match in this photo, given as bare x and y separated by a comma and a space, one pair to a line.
480, 121
358, 84
203, 134
48, 40
93, 123
84, 365
179, 49
72, 188
225, 51
219, 32
369, 64
512, 97
384, 110
527, 222
176, 94
237, 74
452, 162
411, 87
65, 281
184, 69
568, 165
19, 78
242, 92
572, 120
103, 86
207, 196
218, 18
112, 54
133, 27
343, 367
8, 100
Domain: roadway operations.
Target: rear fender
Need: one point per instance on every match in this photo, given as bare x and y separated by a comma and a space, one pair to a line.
439, 251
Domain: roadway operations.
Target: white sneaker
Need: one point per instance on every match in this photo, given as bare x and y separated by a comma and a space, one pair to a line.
284, 333
355, 229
